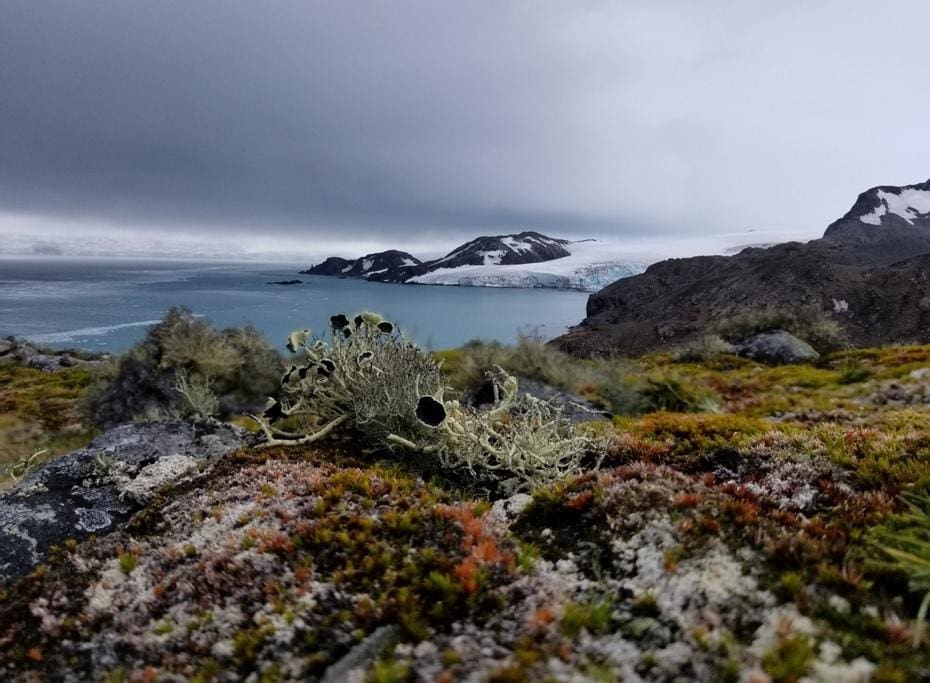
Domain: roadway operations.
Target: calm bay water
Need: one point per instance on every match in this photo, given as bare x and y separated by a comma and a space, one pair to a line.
107, 305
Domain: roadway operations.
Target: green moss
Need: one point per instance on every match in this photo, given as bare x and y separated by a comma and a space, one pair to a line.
127, 562
450, 657
527, 555
390, 671
592, 616
601, 673
163, 628
789, 660
248, 642
790, 585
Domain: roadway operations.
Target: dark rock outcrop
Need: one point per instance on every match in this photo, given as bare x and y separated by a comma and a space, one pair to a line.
334, 265
870, 272
96, 489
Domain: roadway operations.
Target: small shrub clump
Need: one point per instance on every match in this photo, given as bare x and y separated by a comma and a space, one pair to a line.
530, 358
185, 367
369, 382
704, 348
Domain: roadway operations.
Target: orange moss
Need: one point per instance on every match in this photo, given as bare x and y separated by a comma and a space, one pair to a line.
480, 546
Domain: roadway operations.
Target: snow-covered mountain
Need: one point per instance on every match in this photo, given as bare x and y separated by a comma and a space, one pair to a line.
589, 266
494, 250
886, 224
366, 266
497, 250
526, 259
889, 204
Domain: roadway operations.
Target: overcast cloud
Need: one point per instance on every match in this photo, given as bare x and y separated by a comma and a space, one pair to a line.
418, 123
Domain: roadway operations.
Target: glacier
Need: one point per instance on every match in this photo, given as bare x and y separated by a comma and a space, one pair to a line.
591, 266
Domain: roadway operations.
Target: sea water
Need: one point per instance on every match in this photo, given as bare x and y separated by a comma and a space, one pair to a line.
107, 305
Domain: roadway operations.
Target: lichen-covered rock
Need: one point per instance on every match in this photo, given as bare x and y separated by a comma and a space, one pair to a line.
95, 489
275, 566
777, 348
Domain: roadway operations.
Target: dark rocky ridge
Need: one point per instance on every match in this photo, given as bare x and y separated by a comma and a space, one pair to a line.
334, 265
399, 266
870, 271
364, 266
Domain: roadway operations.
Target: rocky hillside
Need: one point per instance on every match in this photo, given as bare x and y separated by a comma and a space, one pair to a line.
869, 272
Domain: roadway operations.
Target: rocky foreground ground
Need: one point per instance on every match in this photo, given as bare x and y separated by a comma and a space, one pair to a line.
742, 544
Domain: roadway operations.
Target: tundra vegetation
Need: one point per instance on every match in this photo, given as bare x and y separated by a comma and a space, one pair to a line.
732, 521
41, 416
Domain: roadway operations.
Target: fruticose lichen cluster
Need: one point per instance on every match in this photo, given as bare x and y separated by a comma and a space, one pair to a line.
369, 381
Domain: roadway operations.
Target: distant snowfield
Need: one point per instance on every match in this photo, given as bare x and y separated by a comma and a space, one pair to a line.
594, 264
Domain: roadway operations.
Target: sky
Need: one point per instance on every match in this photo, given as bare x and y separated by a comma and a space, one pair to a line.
303, 127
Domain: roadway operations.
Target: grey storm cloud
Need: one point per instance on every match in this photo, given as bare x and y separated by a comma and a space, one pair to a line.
443, 118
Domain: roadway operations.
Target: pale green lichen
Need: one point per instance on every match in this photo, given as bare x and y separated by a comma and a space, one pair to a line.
369, 380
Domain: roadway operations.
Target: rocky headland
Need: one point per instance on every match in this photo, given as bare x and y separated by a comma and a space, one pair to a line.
870, 273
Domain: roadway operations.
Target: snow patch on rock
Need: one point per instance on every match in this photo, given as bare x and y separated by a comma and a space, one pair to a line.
908, 203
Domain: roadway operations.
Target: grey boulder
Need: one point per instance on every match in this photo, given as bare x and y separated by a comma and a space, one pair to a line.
777, 348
